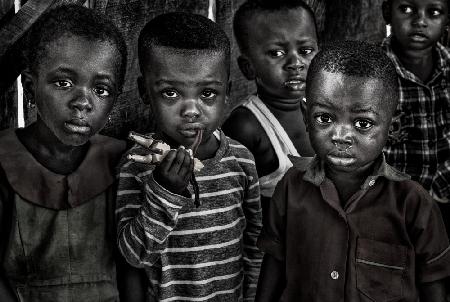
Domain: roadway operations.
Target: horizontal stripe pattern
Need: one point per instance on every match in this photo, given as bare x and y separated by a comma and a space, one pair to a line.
194, 254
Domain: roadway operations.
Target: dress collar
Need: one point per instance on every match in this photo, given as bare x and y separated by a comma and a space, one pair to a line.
36, 184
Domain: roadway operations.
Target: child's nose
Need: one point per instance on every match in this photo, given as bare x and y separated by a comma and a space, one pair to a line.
190, 109
342, 137
420, 19
295, 62
82, 101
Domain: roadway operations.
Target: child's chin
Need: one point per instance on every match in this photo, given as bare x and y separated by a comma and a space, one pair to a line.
75, 140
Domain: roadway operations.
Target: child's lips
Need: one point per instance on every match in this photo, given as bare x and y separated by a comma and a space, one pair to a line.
191, 130
295, 84
341, 158
77, 126
418, 37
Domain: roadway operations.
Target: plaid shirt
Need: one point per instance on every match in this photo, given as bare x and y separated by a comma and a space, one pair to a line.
419, 143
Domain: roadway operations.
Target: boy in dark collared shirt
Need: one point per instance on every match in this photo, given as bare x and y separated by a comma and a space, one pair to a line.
345, 226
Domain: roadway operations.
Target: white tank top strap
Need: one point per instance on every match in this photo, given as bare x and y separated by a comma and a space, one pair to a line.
279, 139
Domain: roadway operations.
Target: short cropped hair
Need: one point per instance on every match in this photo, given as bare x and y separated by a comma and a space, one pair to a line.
73, 20
241, 20
185, 33
359, 59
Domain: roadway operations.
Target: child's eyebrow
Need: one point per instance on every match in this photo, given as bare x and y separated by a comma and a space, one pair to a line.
364, 110
68, 70
201, 83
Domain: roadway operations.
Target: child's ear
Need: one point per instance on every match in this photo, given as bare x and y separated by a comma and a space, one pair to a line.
246, 67
386, 9
142, 90
28, 85
304, 112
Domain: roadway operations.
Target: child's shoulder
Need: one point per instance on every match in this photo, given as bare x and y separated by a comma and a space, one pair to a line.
108, 147
243, 125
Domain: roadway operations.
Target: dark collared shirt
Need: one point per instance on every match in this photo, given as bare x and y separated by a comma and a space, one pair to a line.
388, 237
420, 142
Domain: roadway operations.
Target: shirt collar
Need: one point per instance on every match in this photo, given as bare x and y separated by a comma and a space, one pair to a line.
315, 171
443, 60
38, 185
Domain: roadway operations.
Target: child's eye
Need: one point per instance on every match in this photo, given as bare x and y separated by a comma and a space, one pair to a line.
276, 53
208, 94
323, 119
169, 94
363, 124
101, 92
306, 51
63, 84
435, 12
406, 9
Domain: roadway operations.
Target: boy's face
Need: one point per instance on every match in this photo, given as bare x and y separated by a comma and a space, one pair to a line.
418, 24
74, 87
348, 119
281, 47
187, 92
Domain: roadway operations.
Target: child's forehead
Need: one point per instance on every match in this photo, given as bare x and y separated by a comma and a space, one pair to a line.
162, 55
75, 44
334, 86
283, 17
420, 2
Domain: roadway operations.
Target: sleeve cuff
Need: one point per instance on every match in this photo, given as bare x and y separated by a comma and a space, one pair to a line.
165, 198
436, 268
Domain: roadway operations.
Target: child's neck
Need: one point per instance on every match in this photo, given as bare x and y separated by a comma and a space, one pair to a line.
347, 184
50, 152
419, 62
208, 148
279, 104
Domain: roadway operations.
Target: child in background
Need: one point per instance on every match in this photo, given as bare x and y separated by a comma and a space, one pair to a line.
346, 226
420, 142
191, 251
57, 175
277, 40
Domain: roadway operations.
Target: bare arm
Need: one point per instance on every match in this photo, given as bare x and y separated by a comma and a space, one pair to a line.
271, 280
243, 126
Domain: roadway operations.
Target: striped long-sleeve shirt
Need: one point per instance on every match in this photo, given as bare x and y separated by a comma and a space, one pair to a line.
194, 254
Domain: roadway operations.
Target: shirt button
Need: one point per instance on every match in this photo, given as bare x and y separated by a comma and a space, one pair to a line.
334, 275
372, 182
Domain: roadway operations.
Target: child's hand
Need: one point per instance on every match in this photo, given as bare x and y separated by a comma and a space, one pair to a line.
175, 170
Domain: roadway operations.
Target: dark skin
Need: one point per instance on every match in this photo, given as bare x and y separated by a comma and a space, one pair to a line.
187, 93
277, 60
74, 87
348, 119
417, 25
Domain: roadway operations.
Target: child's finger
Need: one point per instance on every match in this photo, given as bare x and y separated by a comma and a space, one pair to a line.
187, 167
166, 164
145, 141
178, 161
145, 159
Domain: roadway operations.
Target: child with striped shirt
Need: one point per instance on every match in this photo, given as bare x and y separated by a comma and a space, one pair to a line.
204, 250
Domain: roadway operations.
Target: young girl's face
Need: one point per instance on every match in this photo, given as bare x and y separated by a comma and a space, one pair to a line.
418, 24
74, 87
187, 93
281, 47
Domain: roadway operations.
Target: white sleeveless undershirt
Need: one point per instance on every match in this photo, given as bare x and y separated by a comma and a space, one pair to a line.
279, 139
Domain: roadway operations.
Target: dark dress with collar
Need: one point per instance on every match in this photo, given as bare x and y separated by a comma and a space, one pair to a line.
58, 236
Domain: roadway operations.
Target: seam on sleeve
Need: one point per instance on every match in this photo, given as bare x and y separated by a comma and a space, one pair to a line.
439, 256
